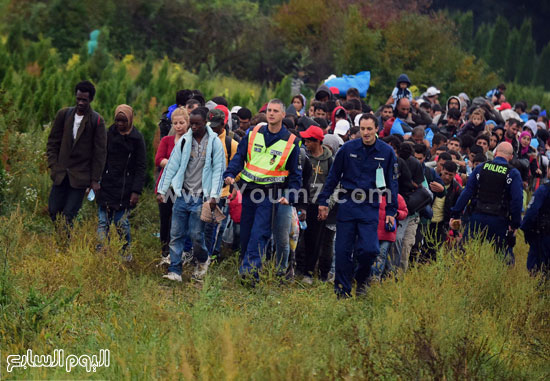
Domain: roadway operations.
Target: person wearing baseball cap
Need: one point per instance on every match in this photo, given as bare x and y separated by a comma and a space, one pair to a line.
431, 95
342, 129
317, 237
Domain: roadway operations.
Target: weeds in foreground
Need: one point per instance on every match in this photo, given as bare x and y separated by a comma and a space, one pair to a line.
461, 317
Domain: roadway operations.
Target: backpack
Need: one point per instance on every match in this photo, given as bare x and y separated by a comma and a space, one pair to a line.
165, 125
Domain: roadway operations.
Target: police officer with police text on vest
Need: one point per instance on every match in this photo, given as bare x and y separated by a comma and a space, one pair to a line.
536, 228
267, 159
363, 167
496, 192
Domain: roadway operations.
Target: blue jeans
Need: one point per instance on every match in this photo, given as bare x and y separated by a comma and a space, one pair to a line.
106, 216
379, 264
281, 235
186, 222
212, 234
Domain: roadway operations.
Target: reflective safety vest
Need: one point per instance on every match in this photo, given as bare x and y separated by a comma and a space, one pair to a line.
491, 191
266, 165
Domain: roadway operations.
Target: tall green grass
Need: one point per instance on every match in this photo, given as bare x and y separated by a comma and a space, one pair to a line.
464, 317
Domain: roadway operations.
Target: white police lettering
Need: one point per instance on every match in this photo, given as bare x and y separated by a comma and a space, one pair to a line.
277, 153
58, 360
353, 155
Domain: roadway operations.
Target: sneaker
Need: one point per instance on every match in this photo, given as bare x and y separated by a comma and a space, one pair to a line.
330, 278
186, 258
127, 258
164, 261
307, 280
200, 270
172, 276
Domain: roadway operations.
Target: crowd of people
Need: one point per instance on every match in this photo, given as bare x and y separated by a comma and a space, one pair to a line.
328, 188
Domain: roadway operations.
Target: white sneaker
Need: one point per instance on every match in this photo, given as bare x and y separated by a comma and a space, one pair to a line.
164, 261
186, 258
200, 270
307, 280
172, 276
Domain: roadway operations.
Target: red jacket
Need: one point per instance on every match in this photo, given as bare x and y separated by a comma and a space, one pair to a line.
402, 212
166, 146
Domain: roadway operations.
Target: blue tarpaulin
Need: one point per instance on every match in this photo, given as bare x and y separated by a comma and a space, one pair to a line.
361, 81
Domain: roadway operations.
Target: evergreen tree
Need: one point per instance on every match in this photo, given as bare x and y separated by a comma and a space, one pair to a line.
513, 50
481, 41
498, 43
526, 63
542, 75
466, 30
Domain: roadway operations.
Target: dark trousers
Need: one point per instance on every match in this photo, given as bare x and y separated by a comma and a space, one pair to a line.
65, 200
317, 245
165, 213
435, 235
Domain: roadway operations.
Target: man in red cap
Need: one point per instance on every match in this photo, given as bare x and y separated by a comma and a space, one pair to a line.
319, 236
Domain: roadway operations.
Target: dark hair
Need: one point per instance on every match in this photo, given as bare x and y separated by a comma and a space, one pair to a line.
513, 121
288, 123
198, 96
405, 150
258, 118
353, 130
191, 102
476, 149
348, 105
444, 156
353, 92
299, 97
322, 122
367, 117
483, 137
480, 158
437, 107
450, 166
201, 110
365, 108
319, 106
501, 87
454, 139
220, 101
520, 106
438, 138
421, 149
356, 104
392, 140
85, 87
182, 96
331, 105
454, 153
386, 106
244, 113
466, 141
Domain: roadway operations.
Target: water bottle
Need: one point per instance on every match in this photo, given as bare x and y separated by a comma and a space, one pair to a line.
91, 195
303, 224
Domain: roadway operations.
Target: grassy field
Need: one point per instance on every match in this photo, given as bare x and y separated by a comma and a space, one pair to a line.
463, 317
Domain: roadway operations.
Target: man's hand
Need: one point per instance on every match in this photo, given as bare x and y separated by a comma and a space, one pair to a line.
390, 220
160, 198
213, 204
134, 198
302, 214
95, 186
283, 201
454, 223
436, 187
323, 213
229, 180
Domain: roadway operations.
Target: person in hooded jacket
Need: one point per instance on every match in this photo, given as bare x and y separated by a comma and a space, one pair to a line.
123, 177
401, 90
318, 239
323, 94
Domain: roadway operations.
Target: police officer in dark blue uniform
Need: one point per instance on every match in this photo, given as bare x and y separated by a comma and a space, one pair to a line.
536, 228
362, 166
496, 192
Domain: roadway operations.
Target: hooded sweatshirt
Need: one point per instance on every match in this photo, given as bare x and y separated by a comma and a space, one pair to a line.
398, 92
333, 116
323, 88
321, 166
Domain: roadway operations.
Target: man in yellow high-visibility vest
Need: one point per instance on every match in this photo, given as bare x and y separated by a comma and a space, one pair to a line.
267, 159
